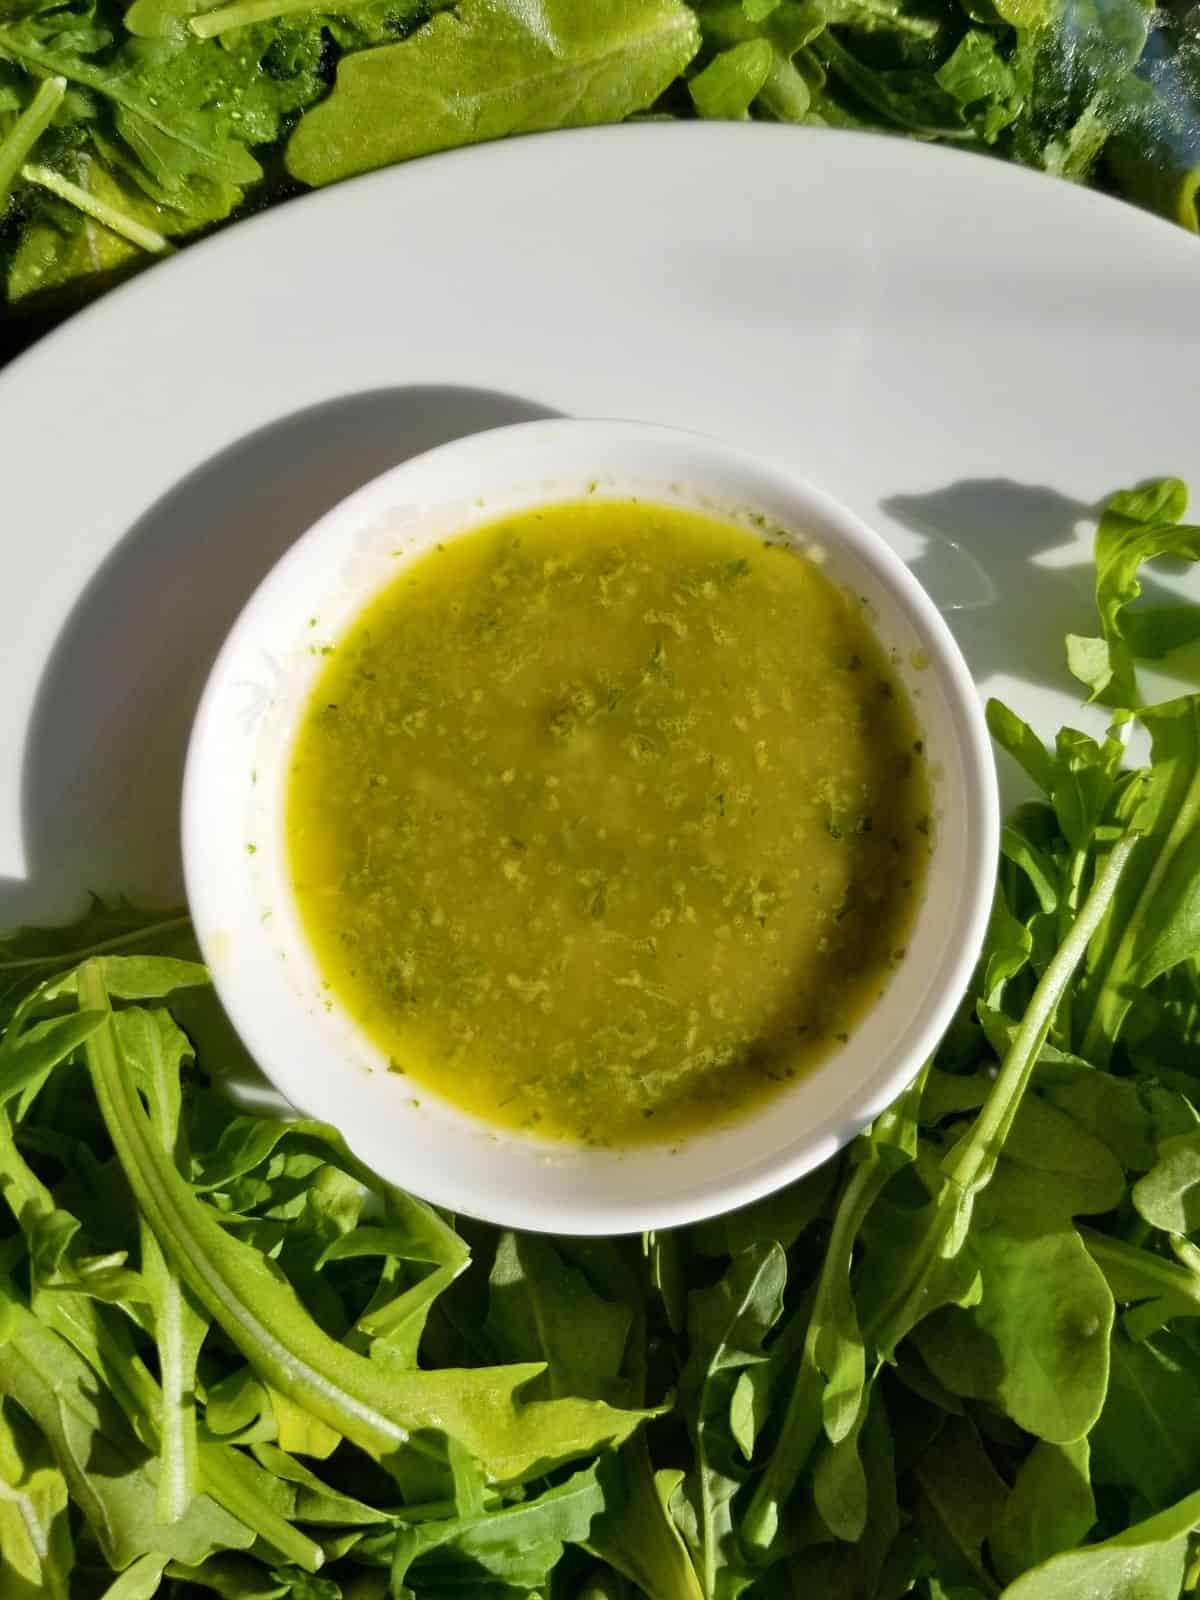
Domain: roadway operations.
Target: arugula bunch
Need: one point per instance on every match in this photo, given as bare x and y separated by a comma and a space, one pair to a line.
124, 127
962, 1359
191, 1300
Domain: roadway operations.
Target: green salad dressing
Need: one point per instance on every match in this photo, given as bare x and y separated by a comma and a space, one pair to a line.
608, 819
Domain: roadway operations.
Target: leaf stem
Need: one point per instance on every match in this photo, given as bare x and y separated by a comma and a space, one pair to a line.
391, 1415
116, 221
26, 131
1111, 1001
243, 13
807, 1404
71, 958
44, 63
968, 1167
228, 1478
199, 1248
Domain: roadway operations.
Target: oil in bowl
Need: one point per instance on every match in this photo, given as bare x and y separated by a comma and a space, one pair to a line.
608, 819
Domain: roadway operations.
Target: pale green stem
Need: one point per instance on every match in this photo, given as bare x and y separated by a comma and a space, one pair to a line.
968, 1167
242, 13
177, 1455
136, 1391
972, 1162
26, 131
100, 211
1112, 1000
69, 958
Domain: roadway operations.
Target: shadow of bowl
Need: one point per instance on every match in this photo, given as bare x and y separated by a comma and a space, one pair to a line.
103, 761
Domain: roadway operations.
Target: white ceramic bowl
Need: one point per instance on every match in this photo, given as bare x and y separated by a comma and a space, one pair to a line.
249, 927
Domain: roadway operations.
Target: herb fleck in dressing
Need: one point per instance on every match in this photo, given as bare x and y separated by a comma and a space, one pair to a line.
607, 820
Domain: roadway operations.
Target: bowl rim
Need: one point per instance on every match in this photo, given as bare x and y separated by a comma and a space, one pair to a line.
689, 1203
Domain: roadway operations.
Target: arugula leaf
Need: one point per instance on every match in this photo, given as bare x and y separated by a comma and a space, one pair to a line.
830, 1385
303, 1497
882, 1526
152, 1039
960, 1499
1137, 526
1022, 743
1146, 1562
517, 1546
1160, 1290
727, 1325
542, 1310
635, 1532
1008, 951
28, 1056
234, 1578
111, 1477
1050, 1509
141, 1581
1036, 1344
1168, 1197
393, 1322
898, 96
969, 1165
103, 1343
259, 1501
986, 85
30, 956
107, 1350
1021, 842
1148, 1437
387, 1414
729, 84
36, 1548
1128, 1115
491, 68
1154, 920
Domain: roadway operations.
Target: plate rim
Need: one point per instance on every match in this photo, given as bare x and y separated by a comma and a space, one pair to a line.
632, 131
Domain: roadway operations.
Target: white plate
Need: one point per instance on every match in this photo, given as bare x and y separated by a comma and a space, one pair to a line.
967, 355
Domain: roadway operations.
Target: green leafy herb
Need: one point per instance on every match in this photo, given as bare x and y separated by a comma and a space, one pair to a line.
1145, 1562
125, 129
730, 83
1137, 526
489, 68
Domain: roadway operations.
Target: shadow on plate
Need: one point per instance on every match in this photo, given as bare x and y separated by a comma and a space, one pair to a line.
104, 758
1004, 563
1007, 565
